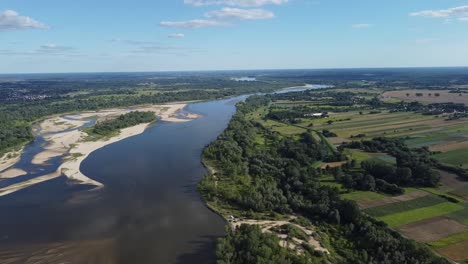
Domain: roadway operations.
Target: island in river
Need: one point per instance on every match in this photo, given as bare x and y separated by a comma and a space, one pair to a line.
148, 211
65, 138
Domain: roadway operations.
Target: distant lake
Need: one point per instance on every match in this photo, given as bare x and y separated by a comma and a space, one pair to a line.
148, 212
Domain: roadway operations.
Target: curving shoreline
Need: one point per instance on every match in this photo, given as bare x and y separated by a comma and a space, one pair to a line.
65, 139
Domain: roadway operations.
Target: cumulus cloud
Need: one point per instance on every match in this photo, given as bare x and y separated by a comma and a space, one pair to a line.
361, 25
443, 13
243, 3
197, 23
242, 14
11, 20
177, 35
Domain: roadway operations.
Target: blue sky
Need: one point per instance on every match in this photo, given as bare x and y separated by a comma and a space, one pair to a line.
160, 35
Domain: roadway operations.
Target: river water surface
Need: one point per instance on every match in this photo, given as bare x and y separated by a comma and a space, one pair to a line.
148, 212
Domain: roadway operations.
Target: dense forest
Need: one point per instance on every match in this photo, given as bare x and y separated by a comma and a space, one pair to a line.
414, 167
278, 178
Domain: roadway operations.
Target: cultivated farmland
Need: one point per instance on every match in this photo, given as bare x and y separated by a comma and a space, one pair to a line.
427, 96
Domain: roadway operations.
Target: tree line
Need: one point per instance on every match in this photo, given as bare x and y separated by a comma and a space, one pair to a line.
279, 177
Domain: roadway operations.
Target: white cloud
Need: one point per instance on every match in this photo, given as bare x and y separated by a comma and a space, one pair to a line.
53, 48
361, 25
177, 35
242, 14
442, 13
243, 3
197, 23
11, 20
463, 18
42, 50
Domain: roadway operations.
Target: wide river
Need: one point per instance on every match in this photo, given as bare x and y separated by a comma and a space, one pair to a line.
148, 212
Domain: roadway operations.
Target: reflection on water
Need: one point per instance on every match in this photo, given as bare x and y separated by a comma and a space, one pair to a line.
149, 209
148, 212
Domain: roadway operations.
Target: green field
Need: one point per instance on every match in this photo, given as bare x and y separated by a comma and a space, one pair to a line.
395, 208
419, 214
461, 216
457, 157
449, 240
357, 154
363, 196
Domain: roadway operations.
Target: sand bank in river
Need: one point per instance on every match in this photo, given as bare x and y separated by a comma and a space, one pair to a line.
61, 143
12, 173
10, 159
71, 166
69, 143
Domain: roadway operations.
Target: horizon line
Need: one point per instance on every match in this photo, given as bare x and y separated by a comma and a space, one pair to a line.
239, 70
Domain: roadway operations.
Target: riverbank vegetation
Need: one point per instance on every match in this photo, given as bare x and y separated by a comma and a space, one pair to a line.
26, 99
279, 176
112, 127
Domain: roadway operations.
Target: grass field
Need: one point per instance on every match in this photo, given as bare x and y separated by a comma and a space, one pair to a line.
362, 196
426, 201
419, 214
449, 240
457, 157
461, 216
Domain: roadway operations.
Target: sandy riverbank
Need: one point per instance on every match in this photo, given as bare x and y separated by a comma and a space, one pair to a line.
10, 159
61, 143
63, 140
12, 173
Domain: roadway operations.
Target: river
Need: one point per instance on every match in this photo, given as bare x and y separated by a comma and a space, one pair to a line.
148, 212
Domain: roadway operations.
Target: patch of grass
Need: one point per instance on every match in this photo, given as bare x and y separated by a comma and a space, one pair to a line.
363, 196
394, 208
415, 215
442, 194
455, 157
357, 154
461, 216
449, 240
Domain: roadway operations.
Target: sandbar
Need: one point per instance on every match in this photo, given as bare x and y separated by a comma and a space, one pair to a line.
69, 143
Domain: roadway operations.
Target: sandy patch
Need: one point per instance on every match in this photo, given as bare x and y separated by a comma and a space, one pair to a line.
22, 185
10, 159
268, 225
71, 144
71, 166
12, 173
432, 229
389, 200
58, 145
58, 124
